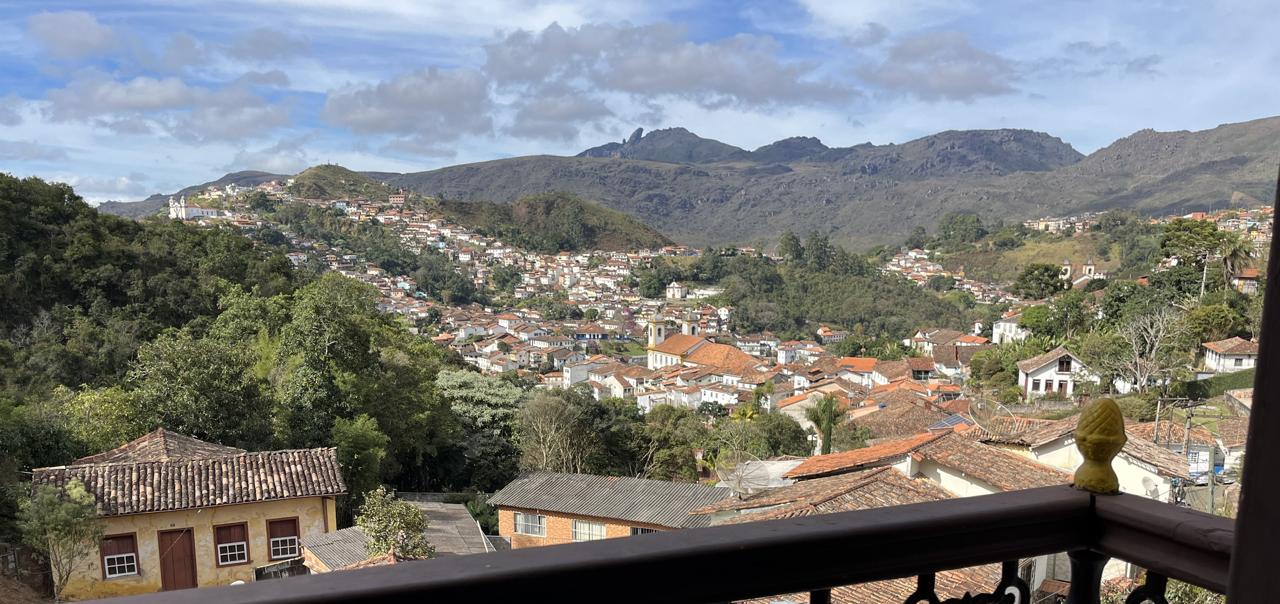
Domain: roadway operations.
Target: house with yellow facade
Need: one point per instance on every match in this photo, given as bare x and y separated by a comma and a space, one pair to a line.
178, 512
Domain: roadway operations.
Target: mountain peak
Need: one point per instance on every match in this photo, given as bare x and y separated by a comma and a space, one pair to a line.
671, 145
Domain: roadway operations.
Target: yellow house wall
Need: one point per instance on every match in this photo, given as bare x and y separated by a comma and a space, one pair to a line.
314, 514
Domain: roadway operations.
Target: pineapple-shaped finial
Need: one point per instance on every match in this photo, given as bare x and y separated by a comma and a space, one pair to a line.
1099, 437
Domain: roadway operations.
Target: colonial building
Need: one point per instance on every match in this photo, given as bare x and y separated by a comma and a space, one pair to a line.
1230, 355
1057, 372
180, 512
546, 508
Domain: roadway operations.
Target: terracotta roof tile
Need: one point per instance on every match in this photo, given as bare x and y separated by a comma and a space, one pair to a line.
848, 461
1233, 345
1036, 362
160, 445
1001, 469
679, 344
160, 486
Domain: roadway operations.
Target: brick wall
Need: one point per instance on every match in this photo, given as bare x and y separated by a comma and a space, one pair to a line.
560, 527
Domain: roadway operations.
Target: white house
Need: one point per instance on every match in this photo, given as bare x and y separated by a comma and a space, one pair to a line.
1230, 355
1008, 330
1057, 372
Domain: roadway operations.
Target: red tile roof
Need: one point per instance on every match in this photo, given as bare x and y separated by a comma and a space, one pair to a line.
1233, 345
679, 344
848, 461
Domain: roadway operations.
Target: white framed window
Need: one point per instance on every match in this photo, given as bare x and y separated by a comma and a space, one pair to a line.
531, 524
283, 538
284, 547
232, 543
119, 556
587, 531
121, 565
233, 553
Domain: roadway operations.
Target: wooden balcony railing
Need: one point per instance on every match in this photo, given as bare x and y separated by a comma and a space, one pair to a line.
810, 554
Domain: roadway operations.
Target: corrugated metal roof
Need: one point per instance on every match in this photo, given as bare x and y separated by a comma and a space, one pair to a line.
340, 548
636, 500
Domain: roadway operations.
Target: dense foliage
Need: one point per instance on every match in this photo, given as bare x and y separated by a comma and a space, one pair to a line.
817, 283
554, 222
437, 275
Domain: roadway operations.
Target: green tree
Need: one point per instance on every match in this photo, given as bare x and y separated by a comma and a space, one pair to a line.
392, 525
958, 227
362, 448
790, 248
201, 387
825, 414
918, 239
1236, 253
940, 283
488, 411
849, 436
1213, 322
818, 252
1039, 281
62, 525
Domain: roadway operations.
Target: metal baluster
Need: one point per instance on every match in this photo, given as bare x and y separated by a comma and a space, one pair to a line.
1151, 590
924, 591
820, 596
1086, 576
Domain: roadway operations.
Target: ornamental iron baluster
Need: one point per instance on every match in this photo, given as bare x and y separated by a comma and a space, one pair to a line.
1151, 590
1010, 590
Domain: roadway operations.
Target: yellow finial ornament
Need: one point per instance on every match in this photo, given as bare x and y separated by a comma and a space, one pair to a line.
1099, 437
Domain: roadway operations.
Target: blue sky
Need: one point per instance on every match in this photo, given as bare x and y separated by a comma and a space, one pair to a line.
124, 99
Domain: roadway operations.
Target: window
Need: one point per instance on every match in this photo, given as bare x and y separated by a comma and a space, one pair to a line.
531, 524
1035, 385
232, 543
119, 556
635, 530
587, 531
283, 538
1238, 362
1064, 365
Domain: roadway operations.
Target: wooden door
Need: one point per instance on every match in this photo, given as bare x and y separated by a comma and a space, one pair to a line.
177, 559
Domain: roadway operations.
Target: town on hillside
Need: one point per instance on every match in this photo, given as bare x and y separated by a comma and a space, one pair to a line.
726, 425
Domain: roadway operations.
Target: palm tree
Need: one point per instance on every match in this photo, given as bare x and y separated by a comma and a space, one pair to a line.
825, 414
1236, 253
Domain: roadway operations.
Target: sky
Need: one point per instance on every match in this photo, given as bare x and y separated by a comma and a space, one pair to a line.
125, 99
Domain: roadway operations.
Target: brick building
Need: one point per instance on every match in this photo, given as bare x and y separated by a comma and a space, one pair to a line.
546, 508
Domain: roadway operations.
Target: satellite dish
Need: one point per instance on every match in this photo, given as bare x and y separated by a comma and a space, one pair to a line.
984, 412
742, 472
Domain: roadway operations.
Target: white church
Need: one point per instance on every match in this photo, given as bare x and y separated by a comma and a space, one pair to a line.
180, 210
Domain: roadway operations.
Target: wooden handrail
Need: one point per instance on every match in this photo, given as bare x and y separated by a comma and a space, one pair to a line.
757, 559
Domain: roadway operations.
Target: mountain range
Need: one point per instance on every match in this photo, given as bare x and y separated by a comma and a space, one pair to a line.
701, 191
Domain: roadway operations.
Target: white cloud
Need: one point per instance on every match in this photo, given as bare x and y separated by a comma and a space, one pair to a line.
433, 104
72, 34
95, 94
657, 60
9, 110
284, 157
30, 151
942, 65
97, 188
267, 44
142, 104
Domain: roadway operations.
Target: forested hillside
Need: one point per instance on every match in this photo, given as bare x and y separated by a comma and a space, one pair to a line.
114, 328
554, 222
